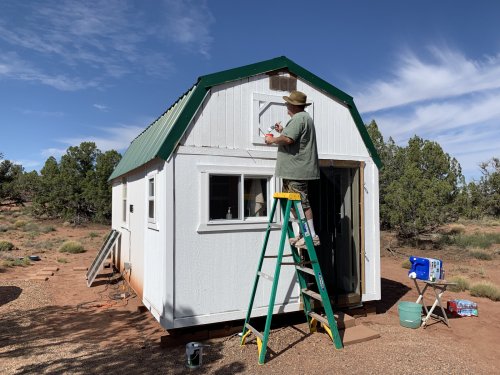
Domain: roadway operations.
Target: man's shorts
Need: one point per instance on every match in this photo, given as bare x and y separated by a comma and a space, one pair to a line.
300, 187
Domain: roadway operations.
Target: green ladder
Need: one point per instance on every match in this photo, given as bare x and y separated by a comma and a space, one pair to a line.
287, 202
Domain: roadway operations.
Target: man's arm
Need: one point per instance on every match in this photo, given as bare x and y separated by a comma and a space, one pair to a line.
281, 140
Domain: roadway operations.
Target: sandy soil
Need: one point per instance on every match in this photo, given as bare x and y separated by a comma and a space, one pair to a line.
61, 326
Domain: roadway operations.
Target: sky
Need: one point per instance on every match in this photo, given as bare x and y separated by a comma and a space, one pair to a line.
102, 71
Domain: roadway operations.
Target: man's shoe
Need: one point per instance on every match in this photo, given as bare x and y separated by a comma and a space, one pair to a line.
294, 240
301, 244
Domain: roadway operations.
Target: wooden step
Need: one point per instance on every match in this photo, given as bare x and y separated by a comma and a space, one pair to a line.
343, 320
357, 334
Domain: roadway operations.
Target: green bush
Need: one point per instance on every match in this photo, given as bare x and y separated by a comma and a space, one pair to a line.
93, 234
480, 254
19, 262
30, 227
6, 246
406, 264
462, 284
20, 223
72, 247
487, 290
479, 240
62, 260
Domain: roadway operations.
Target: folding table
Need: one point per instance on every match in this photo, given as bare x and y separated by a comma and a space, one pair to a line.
439, 287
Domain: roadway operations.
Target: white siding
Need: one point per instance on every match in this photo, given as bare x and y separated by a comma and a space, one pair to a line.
214, 271
226, 118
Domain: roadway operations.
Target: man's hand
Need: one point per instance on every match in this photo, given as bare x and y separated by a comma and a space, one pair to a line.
269, 139
278, 127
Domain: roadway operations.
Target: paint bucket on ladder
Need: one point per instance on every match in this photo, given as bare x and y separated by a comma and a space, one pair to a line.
194, 354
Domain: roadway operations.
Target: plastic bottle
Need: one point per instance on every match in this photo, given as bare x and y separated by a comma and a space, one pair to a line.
229, 215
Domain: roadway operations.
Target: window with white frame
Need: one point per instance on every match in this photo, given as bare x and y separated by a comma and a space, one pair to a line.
151, 200
238, 197
124, 200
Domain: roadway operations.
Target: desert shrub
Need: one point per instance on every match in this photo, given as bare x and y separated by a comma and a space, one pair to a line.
455, 229
30, 227
72, 247
20, 223
6, 246
462, 284
93, 234
47, 229
480, 254
62, 260
18, 262
485, 289
406, 264
479, 240
4, 228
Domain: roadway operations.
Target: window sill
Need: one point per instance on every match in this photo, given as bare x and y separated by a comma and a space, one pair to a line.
236, 227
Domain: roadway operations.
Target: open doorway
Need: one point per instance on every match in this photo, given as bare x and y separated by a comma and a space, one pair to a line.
335, 200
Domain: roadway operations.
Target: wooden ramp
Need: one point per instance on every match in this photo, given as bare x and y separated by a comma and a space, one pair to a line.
102, 255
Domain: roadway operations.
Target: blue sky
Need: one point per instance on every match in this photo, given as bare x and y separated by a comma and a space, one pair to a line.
72, 71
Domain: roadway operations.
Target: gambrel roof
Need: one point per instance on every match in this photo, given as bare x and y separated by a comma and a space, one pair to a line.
161, 137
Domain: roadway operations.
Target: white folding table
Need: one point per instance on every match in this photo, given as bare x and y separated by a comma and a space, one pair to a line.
439, 287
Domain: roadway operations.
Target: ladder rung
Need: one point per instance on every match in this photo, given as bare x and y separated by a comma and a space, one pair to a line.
275, 256
312, 294
310, 271
255, 332
276, 226
265, 276
319, 318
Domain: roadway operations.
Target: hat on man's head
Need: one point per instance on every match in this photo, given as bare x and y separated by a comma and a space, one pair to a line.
297, 98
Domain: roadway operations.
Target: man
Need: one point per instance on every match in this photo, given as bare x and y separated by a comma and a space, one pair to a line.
297, 161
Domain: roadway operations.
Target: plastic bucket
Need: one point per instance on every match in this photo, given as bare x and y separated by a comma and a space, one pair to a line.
410, 314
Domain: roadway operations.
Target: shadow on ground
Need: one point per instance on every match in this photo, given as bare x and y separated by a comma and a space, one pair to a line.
9, 294
93, 339
392, 291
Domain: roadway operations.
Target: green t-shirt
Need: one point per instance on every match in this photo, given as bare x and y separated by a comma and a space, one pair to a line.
299, 161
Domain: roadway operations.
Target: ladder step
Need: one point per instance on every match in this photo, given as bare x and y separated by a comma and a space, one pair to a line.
319, 318
275, 256
312, 294
255, 332
310, 271
265, 276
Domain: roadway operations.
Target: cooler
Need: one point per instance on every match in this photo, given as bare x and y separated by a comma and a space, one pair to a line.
428, 269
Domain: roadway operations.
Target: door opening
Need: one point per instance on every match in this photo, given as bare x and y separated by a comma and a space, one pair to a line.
335, 200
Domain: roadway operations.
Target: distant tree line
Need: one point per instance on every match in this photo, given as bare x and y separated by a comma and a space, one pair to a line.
76, 188
422, 187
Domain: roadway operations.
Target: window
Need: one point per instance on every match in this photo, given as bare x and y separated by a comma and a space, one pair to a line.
238, 197
151, 200
124, 200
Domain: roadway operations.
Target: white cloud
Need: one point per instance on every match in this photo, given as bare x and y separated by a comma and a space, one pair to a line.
117, 138
55, 152
452, 100
90, 41
449, 74
188, 23
101, 107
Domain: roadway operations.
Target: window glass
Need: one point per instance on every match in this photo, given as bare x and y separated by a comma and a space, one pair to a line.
255, 196
151, 209
151, 187
224, 197
151, 199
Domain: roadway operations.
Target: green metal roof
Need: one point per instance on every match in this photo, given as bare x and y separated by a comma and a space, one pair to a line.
161, 138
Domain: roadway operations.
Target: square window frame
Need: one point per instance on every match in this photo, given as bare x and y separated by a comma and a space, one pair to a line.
241, 223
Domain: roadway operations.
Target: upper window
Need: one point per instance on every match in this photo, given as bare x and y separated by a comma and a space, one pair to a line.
238, 197
151, 200
124, 200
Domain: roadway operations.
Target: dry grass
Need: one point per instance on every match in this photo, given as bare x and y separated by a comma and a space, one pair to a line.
485, 289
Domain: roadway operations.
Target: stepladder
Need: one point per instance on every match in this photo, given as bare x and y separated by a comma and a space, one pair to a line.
309, 276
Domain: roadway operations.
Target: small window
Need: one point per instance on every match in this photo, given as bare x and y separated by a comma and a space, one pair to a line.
255, 196
228, 201
224, 197
124, 200
151, 200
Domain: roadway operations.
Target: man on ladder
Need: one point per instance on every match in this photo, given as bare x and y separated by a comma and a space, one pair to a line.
297, 161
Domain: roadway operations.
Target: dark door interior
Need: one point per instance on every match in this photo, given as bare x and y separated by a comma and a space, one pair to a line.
335, 204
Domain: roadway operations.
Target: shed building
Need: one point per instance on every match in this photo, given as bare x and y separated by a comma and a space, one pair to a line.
192, 194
